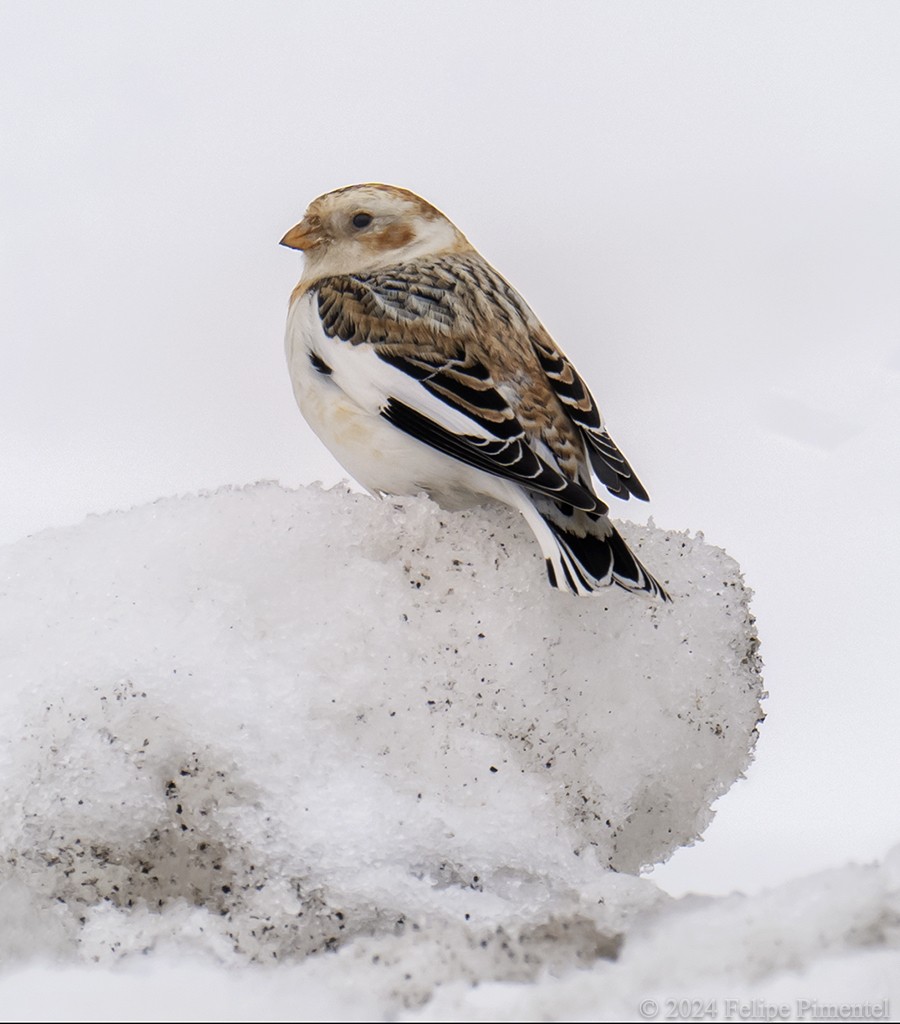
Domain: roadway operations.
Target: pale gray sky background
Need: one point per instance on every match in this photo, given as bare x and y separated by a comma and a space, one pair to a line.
700, 199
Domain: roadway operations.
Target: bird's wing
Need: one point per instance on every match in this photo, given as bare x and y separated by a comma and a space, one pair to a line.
608, 462
399, 343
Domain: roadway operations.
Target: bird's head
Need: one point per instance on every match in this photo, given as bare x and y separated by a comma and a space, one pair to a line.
364, 227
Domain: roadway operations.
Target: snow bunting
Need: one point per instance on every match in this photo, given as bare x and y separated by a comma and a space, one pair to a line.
422, 369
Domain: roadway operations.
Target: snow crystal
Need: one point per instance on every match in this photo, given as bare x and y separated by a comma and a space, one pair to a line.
260, 724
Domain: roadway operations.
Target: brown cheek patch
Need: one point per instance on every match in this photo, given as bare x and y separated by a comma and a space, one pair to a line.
393, 237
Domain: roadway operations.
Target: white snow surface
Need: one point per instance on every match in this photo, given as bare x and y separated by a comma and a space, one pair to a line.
365, 742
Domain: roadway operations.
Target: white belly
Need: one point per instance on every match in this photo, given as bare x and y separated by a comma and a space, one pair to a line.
377, 454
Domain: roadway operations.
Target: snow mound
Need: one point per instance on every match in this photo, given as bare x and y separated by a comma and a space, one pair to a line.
800, 951
260, 723
825, 947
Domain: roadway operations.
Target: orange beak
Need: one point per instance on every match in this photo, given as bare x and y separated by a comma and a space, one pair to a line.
304, 235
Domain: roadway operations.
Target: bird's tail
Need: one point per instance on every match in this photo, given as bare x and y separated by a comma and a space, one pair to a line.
585, 553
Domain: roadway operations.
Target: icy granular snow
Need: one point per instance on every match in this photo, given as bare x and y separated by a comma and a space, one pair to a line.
259, 724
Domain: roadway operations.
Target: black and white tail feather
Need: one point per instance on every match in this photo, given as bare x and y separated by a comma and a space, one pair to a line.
590, 553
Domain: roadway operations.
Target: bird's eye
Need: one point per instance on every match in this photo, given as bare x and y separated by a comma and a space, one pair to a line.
362, 220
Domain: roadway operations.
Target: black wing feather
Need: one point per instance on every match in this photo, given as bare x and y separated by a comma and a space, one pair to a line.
511, 459
610, 465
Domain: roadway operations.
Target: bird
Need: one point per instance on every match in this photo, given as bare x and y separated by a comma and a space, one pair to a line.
423, 370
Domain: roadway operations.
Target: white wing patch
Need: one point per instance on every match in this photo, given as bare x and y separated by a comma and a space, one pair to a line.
371, 382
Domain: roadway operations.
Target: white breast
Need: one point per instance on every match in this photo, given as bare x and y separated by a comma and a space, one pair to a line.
343, 408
